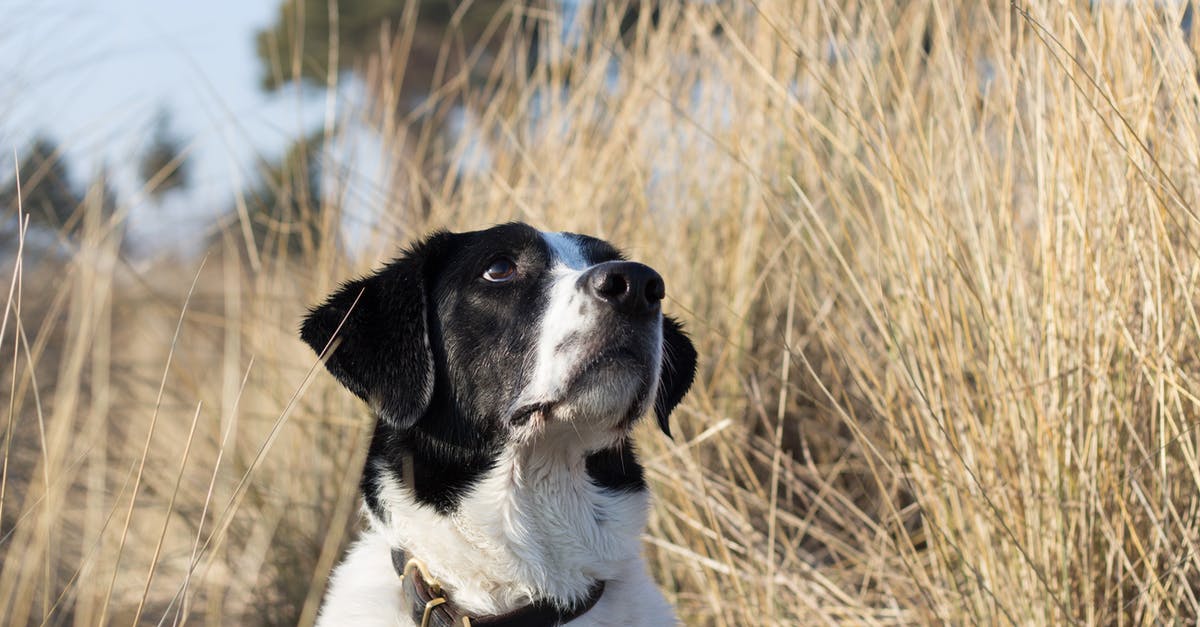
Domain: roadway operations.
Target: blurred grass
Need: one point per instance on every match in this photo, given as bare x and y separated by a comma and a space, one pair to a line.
939, 260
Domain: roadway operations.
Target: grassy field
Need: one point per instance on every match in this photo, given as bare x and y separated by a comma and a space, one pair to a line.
939, 260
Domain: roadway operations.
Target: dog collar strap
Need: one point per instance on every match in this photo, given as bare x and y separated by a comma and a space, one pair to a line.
431, 606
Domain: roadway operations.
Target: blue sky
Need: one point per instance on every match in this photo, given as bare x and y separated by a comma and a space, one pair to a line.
94, 74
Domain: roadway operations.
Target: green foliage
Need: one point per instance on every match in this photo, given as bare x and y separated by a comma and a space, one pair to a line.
46, 192
303, 27
285, 208
286, 205
163, 167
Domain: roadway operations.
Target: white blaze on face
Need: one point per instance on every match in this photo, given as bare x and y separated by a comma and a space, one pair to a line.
567, 341
569, 315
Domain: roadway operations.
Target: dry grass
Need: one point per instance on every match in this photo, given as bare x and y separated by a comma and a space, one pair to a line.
940, 262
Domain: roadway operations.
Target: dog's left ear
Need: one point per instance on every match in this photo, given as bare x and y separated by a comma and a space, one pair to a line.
376, 330
678, 371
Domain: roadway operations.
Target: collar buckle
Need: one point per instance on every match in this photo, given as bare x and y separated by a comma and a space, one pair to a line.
435, 587
426, 594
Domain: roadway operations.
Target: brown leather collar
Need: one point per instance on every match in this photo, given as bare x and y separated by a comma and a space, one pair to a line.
431, 606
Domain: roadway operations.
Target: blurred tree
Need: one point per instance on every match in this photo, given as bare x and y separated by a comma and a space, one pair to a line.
414, 39
302, 33
285, 207
46, 192
101, 192
100, 202
163, 167
304, 27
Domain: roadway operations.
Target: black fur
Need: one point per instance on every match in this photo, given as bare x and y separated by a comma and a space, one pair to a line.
442, 355
678, 371
617, 469
381, 322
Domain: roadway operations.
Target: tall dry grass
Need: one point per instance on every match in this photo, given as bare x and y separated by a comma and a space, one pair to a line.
939, 259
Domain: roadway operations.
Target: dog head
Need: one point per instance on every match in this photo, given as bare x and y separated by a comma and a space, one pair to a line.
499, 335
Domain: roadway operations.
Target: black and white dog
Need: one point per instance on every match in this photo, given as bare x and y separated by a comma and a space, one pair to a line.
507, 368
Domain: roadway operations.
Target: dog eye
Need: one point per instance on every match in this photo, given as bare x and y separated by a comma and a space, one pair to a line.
500, 270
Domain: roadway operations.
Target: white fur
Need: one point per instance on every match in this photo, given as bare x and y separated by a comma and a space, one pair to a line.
571, 311
566, 250
568, 311
535, 526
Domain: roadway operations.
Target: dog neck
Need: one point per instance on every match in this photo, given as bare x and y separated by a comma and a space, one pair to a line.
545, 520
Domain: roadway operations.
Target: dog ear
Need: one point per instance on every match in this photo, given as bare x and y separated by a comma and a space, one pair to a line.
376, 331
677, 372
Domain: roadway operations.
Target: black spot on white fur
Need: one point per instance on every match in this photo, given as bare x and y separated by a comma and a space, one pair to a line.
444, 358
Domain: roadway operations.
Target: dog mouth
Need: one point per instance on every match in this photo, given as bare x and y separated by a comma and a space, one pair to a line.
619, 357
525, 412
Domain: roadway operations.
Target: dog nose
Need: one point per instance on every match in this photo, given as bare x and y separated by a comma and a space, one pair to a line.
631, 288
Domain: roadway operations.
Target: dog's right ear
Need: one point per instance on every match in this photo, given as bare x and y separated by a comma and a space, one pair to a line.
376, 332
678, 371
